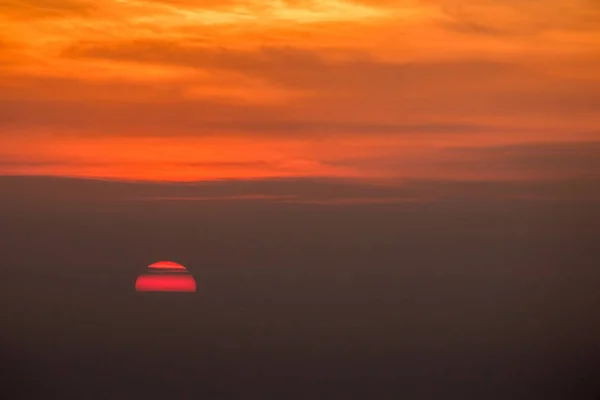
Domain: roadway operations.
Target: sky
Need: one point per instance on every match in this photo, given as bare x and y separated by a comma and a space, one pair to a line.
377, 199
380, 91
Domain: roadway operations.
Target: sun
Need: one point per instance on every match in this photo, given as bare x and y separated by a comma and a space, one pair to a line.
165, 276
168, 265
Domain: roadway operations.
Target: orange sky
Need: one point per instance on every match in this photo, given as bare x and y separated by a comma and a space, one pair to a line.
208, 89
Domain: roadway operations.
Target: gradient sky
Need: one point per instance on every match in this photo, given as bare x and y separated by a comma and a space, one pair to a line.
378, 199
186, 90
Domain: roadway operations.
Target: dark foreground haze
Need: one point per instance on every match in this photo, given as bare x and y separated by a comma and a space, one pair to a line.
484, 292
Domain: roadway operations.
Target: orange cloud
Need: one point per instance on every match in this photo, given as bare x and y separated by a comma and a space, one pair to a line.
188, 90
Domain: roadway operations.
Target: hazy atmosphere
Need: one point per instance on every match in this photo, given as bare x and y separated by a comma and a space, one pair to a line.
377, 199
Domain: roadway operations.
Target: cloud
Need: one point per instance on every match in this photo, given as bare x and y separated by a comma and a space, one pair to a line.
297, 66
256, 197
315, 83
34, 9
207, 4
507, 16
567, 159
468, 27
386, 168
201, 118
307, 191
449, 85
520, 17
292, 91
516, 162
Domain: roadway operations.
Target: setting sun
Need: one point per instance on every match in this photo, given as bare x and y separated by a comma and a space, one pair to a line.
165, 276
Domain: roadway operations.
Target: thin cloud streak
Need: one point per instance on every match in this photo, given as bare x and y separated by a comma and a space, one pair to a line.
368, 159
295, 191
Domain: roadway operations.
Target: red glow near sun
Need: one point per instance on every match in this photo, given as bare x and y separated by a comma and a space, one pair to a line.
165, 283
